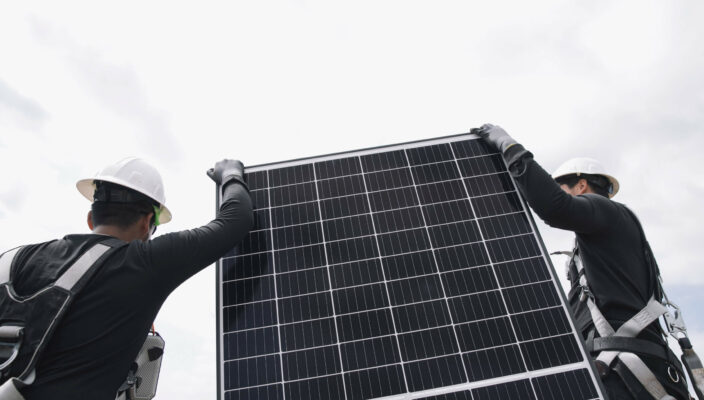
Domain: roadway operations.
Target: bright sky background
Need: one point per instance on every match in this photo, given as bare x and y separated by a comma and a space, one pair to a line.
184, 84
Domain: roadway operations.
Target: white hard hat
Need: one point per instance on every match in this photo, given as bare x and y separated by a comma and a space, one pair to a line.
584, 165
133, 173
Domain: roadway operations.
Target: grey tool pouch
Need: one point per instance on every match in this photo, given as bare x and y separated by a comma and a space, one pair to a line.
143, 378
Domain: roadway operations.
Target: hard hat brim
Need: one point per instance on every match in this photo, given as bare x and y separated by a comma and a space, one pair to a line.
614, 183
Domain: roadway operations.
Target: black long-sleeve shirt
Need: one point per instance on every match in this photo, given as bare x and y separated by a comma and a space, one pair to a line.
608, 237
99, 337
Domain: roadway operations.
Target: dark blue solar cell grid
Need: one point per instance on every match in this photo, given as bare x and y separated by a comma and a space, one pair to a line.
393, 272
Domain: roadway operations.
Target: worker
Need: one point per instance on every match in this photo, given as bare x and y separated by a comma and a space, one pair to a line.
611, 274
96, 341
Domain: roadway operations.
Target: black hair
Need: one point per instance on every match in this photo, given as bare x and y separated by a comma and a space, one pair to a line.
599, 184
119, 206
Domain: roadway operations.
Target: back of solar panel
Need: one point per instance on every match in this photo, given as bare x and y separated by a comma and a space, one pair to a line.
411, 271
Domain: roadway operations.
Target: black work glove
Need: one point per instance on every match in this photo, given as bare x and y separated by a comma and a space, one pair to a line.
226, 171
495, 136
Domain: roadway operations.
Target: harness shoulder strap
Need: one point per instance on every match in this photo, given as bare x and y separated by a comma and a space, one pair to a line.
75, 272
76, 276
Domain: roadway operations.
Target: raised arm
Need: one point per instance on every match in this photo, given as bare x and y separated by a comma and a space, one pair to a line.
177, 256
584, 214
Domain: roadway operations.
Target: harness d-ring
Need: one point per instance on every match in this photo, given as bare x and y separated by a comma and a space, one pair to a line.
672, 371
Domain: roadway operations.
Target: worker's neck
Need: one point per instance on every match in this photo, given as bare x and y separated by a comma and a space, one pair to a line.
126, 235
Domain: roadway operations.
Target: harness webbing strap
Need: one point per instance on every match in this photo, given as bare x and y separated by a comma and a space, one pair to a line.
631, 345
645, 376
633, 327
8, 390
10, 333
6, 264
75, 272
600, 323
696, 371
580, 271
651, 312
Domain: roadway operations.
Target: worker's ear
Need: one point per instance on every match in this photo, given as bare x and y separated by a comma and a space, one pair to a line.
145, 225
582, 186
90, 220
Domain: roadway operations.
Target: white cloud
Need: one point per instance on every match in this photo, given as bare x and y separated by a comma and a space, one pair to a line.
20, 110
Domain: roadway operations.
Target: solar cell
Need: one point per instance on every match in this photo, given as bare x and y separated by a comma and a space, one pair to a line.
403, 272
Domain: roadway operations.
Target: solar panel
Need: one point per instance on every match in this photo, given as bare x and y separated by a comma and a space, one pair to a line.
411, 271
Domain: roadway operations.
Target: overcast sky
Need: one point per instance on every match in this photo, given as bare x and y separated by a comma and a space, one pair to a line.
184, 84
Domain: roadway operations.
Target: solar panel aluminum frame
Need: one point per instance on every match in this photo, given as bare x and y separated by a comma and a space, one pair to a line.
439, 391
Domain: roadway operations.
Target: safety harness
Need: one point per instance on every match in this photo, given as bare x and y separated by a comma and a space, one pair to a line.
27, 323
619, 350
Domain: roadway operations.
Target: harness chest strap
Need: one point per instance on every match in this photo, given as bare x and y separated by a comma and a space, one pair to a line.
651, 312
631, 345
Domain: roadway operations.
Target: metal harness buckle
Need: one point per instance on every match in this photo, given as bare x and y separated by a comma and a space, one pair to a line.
673, 374
674, 320
585, 294
602, 368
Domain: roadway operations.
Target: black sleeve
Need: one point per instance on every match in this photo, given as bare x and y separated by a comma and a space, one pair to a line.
175, 257
584, 214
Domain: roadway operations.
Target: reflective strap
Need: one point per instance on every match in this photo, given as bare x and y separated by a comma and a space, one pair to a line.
8, 391
6, 264
605, 330
602, 325
644, 376
651, 312
74, 273
10, 333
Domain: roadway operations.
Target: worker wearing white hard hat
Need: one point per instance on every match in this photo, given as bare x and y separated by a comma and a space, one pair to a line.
612, 273
115, 279
131, 173
590, 170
